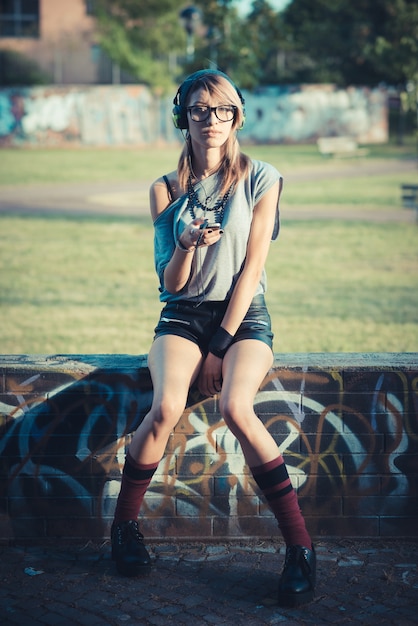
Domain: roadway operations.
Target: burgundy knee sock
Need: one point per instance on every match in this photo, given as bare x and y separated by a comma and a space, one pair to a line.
135, 480
274, 482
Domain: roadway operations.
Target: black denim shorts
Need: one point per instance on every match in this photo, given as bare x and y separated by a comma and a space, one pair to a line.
199, 323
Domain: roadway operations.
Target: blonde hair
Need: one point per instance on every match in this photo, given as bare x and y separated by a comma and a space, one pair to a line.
235, 164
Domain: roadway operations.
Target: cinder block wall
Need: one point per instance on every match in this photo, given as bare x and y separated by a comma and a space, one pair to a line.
347, 425
121, 115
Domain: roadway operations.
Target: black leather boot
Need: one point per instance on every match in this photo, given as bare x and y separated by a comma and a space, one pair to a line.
297, 582
128, 549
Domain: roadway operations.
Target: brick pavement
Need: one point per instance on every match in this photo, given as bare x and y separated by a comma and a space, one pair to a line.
359, 582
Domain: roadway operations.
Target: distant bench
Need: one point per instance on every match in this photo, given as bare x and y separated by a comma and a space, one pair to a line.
340, 146
410, 197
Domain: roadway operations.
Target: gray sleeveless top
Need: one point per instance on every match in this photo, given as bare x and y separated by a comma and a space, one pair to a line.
215, 268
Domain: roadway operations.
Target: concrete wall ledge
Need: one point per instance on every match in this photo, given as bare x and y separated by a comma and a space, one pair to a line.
347, 425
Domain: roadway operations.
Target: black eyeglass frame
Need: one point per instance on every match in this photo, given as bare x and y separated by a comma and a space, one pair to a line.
232, 107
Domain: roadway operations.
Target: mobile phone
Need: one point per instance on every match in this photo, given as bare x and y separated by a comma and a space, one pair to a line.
214, 226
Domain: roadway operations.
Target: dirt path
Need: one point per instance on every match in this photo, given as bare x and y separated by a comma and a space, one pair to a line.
130, 199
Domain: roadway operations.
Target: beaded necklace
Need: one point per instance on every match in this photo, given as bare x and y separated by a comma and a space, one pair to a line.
193, 202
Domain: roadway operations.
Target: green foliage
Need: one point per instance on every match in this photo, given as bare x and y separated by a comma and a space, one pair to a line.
140, 37
245, 48
348, 42
265, 39
18, 69
364, 42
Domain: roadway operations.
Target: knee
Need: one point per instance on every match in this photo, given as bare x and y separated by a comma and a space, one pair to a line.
235, 413
166, 415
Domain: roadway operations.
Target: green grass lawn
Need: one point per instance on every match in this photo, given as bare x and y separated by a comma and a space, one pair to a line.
43, 165
87, 285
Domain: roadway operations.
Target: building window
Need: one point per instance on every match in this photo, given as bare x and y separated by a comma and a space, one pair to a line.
90, 7
19, 18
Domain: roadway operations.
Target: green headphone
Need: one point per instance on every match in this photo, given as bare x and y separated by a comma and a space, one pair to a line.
180, 111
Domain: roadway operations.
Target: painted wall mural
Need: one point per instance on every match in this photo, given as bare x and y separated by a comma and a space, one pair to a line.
349, 435
131, 115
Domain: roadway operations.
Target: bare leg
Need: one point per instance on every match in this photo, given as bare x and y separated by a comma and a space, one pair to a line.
174, 363
245, 365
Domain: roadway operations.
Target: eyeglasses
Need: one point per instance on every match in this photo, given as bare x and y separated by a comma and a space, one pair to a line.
224, 112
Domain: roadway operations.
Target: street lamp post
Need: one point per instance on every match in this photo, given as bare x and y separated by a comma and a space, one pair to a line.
191, 18
214, 37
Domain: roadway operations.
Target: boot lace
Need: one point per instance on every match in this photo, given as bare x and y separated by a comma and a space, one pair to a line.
126, 530
297, 555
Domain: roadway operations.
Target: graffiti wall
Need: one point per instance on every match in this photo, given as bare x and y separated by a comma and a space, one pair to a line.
132, 115
347, 426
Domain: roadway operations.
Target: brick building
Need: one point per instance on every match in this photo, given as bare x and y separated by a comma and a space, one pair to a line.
59, 36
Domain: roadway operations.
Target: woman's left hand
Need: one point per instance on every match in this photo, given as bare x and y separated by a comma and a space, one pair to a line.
210, 376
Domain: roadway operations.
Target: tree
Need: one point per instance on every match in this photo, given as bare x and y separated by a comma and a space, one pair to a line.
147, 40
221, 42
353, 42
264, 39
19, 69
244, 48
347, 42
142, 38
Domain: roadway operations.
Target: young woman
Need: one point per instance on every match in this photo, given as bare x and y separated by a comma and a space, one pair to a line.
214, 218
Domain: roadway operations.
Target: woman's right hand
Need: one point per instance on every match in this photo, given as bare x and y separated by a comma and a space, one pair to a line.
194, 236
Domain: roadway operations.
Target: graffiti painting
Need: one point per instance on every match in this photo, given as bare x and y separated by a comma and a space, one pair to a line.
349, 438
